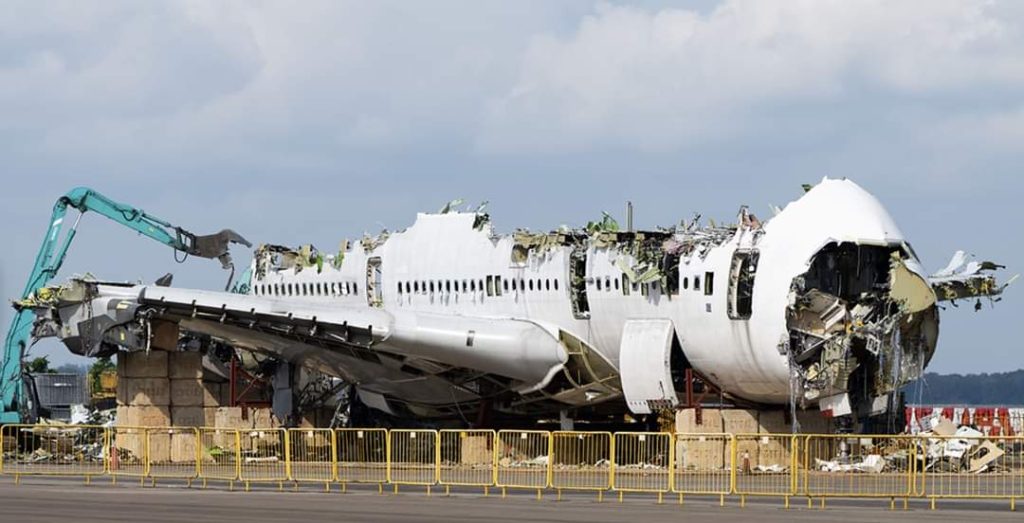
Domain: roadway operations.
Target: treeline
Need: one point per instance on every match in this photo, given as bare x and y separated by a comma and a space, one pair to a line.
997, 388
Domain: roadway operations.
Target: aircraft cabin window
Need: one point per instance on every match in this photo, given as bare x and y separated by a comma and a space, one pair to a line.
547, 284
505, 285
598, 282
709, 283
431, 287
616, 284
355, 288
686, 283
480, 285
607, 283
531, 285
464, 287
514, 286
472, 285
696, 283
522, 284
448, 286
556, 284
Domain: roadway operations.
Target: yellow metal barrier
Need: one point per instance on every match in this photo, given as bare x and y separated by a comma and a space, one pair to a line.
467, 458
312, 456
581, 461
172, 452
128, 453
264, 454
702, 465
966, 467
412, 457
523, 460
53, 450
765, 465
362, 456
219, 455
963, 466
642, 462
858, 466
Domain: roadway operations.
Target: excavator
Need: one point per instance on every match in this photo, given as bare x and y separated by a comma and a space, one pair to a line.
18, 398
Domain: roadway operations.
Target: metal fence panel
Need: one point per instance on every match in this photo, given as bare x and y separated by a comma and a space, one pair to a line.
53, 450
843, 465
412, 457
702, 464
971, 467
128, 453
362, 455
523, 458
467, 457
172, 452
581, 460
642, 462
765, 465
311, 455
219, 454
263, 455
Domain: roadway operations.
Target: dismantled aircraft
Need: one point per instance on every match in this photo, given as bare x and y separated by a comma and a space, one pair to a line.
824, 304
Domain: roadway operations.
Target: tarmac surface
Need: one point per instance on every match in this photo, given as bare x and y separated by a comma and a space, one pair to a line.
45, 500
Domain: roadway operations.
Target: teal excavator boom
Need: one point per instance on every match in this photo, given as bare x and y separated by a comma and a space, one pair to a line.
14, 405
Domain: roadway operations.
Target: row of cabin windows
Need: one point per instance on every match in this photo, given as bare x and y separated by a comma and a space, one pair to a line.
493, 285
645, 288
306, 289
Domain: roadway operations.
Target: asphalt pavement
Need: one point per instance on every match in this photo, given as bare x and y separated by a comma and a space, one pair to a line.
46, 500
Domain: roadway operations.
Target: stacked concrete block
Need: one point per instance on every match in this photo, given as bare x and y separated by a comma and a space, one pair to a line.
702, 447
743, 423
164, 389
776, 450
475, 450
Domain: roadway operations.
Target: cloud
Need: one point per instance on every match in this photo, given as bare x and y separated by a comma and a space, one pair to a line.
671, 78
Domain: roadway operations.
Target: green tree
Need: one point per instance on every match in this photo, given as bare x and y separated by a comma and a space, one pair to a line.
40, 365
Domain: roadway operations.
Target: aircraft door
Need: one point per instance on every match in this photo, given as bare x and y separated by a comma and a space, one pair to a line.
374, 282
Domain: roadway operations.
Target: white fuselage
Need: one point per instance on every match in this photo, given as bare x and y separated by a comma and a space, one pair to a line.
444, 266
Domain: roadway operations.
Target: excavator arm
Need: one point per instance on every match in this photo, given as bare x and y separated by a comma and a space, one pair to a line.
14, 406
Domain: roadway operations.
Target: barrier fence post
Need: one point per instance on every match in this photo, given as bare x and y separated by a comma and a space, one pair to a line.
581, 461
969, 466
859, 466
219, 455
523, 460
362, 457
466, 458
412, 457
702, 465
173, 453
128, 453
311, 456
765, 465
44, 450
264, 456
642, 462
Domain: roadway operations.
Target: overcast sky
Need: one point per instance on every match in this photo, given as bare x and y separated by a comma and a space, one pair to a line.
297, 122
